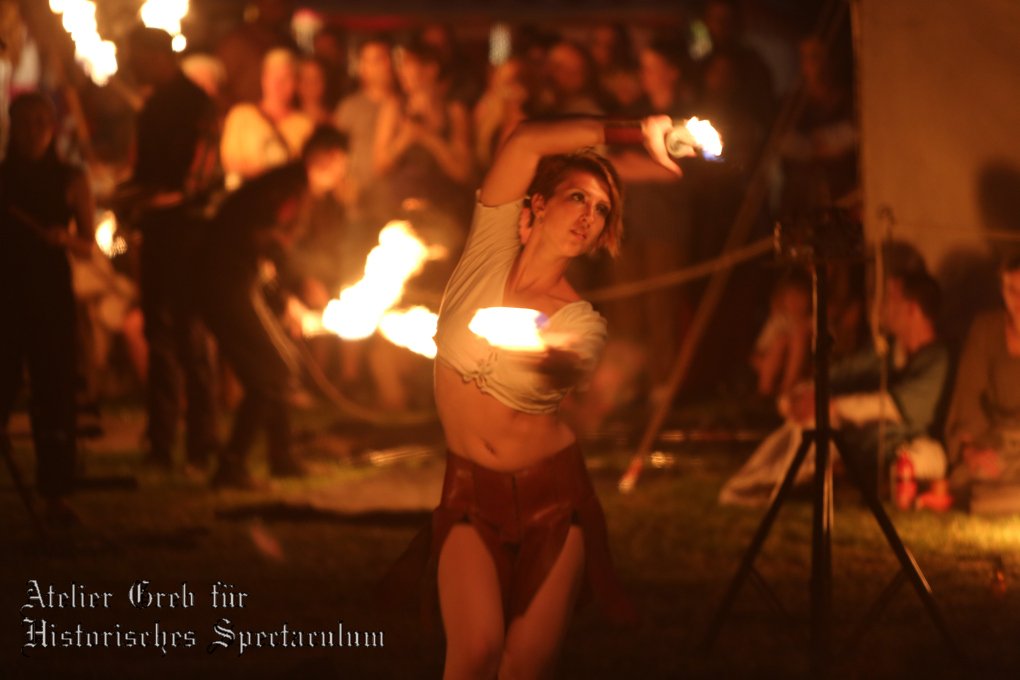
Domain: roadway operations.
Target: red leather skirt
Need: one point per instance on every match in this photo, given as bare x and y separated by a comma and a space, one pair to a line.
523, 518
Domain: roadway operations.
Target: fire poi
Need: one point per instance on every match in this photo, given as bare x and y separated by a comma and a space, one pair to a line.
367, 305
697, 133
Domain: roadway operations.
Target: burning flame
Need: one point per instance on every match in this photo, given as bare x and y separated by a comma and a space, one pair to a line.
167, 15
107, 238
510, 328
697, 134
97, 57
706, 136
359, 309
413, 329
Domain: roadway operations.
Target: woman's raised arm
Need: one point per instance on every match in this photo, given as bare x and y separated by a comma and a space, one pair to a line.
515, 162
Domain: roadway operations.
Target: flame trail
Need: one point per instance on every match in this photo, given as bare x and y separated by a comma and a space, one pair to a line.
413, 329
367, 306
97, 57
167, 15
359, 309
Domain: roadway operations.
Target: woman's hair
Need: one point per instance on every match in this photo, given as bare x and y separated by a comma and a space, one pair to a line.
672, 52
426, 54
551, 172
279, 56
325, 137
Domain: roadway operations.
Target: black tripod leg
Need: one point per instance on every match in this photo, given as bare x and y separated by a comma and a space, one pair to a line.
821, 556
747, 562
26, 497
902, 553
879, 606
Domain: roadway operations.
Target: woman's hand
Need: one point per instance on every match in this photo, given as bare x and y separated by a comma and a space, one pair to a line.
562, 367
654, 130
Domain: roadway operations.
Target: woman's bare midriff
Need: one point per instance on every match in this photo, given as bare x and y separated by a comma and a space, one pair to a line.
480, 428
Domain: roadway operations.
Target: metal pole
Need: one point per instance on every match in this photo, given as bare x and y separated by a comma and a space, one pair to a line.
821, 545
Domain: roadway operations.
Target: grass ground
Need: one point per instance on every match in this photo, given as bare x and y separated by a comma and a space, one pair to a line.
308, 553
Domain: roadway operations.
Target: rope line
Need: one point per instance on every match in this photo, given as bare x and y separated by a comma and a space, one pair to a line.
680, 276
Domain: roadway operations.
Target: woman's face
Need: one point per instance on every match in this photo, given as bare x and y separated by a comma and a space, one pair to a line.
416, 74
33, 131
311, 83
375, 68
603, 45
326, 170
657, 74
567, 69
573, 218
278, 83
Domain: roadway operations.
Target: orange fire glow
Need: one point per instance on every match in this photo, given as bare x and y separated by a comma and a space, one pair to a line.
706, 136
367, 306
511, 328
167, 15
107, 238
97, 57
413, 329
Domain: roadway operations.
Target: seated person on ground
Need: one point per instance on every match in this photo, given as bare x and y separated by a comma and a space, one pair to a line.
918, 365
780, 357
983, 427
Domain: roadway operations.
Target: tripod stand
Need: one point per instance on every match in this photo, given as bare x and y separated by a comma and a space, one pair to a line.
820, 644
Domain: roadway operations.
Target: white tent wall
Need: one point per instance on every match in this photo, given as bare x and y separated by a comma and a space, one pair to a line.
939, 86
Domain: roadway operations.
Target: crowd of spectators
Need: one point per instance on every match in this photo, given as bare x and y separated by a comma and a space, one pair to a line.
423, 108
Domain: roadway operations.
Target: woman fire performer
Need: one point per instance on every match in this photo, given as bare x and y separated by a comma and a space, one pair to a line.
519, 534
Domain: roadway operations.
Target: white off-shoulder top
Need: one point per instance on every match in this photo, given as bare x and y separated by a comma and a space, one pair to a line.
479, 281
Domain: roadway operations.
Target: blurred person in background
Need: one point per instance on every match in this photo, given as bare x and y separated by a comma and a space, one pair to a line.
782, 351
208, 73
983, 426
260, 136
261, 222
312, 82
500, 108
169, 187
365, 199
41, 197
329, 48
752, 78
462, 78
820, 153
358, 115
422, 146
878, 425
612, 51
266, 27
659, 225
570, 84
422, 154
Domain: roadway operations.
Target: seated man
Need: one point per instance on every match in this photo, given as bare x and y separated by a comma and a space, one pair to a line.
983, 427
870, 421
